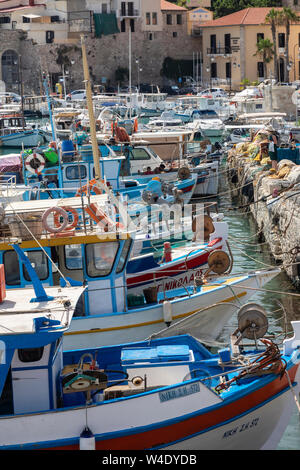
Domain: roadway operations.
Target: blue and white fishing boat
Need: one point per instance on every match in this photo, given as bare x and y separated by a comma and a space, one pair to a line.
164, 393
14, 132
82, 252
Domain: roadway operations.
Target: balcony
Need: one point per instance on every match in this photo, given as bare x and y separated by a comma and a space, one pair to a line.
129, 13
219, 51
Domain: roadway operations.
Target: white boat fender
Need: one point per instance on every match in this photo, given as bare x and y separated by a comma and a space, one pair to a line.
87, 440
167, 312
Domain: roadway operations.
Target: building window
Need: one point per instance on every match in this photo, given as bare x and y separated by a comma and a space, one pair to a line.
26, 20
174, 34
130, 9
299, 39
123, 26
260, 69
227, 43
150, 37
10, 67
54, 19
147, 18
179, 19
104, 7
49, 37
281, 39
259, 36
169, 19
132, 25
213, 70
154, 18
123, 9
228, 69
4, 19
213, 43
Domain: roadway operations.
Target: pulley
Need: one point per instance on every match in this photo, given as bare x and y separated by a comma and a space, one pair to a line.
252, 321
218, 261
184, 173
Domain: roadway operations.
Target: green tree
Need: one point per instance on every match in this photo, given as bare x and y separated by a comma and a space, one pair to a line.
226, 7
288, 16
274, 19
264, 49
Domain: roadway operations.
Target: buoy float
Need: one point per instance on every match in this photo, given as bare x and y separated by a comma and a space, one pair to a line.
35, 163
87, 440
59, 211
167, 312
167, 252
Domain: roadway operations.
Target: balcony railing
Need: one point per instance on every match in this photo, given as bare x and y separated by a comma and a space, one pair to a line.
219, 50
129, 13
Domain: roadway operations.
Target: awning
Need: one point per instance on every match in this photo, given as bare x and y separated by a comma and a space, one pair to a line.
32, 16
105, 23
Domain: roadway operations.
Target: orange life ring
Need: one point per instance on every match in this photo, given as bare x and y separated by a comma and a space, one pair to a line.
59, 211
75, 218
89, 187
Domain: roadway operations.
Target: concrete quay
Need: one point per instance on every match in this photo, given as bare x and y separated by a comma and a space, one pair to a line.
273, 198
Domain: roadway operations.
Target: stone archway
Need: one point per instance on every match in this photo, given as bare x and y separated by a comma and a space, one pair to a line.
10, 69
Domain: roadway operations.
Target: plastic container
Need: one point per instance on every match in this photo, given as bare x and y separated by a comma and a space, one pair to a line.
67, 150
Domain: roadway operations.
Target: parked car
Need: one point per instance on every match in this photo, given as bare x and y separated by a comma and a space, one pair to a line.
126, 89
171, 90
77, 95
147, 88
188, 90
9, 97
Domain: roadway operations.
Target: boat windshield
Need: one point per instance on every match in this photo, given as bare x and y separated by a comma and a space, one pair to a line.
100, 258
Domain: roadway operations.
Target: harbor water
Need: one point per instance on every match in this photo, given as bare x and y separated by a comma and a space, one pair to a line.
249, 254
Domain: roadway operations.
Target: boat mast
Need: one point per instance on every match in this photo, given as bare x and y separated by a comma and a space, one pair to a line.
87, 82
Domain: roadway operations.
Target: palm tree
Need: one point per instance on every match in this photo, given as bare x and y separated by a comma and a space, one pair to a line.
264, 48
288, 16
274, 19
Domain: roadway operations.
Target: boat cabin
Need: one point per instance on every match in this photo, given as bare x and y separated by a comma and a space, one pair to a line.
85, 255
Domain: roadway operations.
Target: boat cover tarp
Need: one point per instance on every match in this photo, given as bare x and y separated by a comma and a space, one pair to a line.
105, 23
10, 162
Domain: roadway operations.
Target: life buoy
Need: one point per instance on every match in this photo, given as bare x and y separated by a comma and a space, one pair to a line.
58, 211
121, 134
89, 187
35, 163
75, 218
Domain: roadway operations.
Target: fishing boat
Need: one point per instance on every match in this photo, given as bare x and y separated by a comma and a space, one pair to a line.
14, 132
82, 252
162, 393
209, 123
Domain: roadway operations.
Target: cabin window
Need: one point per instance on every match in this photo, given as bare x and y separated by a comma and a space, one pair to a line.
39, 262
124, 256
100, 258
73, 257
11, 268
139, 154
30, 354
75, 172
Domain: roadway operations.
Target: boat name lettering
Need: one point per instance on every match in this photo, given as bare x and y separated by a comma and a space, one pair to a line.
241, 428
179, 392
181, 281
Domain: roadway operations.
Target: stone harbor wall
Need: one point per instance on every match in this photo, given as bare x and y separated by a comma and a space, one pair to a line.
279, 99
273, 198
105, 56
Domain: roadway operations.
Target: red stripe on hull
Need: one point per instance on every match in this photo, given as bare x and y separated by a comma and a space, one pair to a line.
183, 429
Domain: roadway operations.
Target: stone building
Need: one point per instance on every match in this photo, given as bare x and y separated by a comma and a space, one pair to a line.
229, 48
45, 37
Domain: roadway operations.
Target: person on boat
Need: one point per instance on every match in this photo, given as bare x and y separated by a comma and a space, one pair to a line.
272, 150
148, 171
